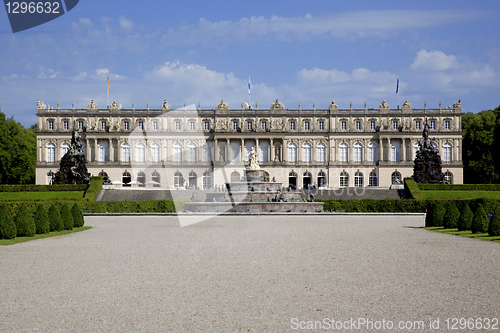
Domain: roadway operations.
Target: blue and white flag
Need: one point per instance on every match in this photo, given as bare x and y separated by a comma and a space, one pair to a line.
397, 86
249, 85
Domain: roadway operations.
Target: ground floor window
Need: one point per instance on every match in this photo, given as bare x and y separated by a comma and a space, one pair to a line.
344, 179
126, 179
396, 178
178, 179
292, 180
193, 180
373, 179
448, 177
141, 179
155, 176
321, 179
358, 179
307, 179
207, 181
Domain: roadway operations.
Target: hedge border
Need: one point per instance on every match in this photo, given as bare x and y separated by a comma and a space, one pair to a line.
42, 188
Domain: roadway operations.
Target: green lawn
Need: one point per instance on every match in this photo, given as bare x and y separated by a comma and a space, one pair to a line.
427, 194
40, 236
52, 195
469, 234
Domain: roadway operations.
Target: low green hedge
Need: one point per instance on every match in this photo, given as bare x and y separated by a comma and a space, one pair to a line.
41, 188
147, 206
412, 189
459, 187
93, 189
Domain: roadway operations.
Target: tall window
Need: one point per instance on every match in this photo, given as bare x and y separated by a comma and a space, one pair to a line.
358, 179
155, 125
321, 153
343, 125
140, 150
192, 151
372, 152
125, 153
177, 125
235, 125
155, 153
140, 124
80, 125
207, 155
103, 153
396, 178
418, 125
178, 179
448, 177
206, 125
307, 125
264, 125
447, 124
66, 125
51, 124
358, 125
433, 125
321, 179
249, 125
343, 152
141, 179
264, 152
51, 153
103, 125
292, 125
306, 153
236, 152
207, 180
126, 125
292, 153
192, 125
373, 179
64, 149
358, 153
447, 152
177, 153
344, 179
394, 152
321, 125
155, 176
372, 125
395, 124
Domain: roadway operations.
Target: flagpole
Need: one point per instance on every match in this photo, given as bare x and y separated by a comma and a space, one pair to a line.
397, 90
249, 99
108, 92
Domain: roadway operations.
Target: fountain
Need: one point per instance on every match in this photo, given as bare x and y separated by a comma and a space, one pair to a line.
427, 167
73, 168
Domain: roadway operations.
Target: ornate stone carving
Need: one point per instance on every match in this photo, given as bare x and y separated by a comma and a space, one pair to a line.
277, 105
40, 105
277, 124
253, 159
333, 106
92, 106
427, 167
383, 105
115, 106
406, 105
222, 106
457, 105
165, 106
221, 125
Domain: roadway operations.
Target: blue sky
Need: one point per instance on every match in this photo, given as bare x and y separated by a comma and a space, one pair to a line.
306, 51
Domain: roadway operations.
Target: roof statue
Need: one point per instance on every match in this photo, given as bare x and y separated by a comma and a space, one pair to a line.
165, 106
406, 105
333, 106
115, 106
40, 105
383, 105
222, 105
277, 105
92, 105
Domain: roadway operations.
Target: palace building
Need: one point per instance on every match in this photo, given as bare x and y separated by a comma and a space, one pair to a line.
202, 148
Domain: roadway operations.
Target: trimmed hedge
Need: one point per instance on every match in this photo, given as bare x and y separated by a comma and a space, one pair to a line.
465, 219
479, 221
67, 217
25, 223
411, 188
94, 188
41, 188
494, 227
148, 206
7, 225
451, 216
56, 222
459, 187
41, 220
77, 214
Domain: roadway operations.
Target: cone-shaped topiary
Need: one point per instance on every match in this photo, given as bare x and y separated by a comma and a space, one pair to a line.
451, 216
437, 214
494, 227
479, 221
55, 220
67, 217
41, 220
7, 224
77, 216
465, 219
25, 223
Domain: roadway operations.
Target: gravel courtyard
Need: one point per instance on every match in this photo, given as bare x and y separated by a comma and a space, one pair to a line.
246, 274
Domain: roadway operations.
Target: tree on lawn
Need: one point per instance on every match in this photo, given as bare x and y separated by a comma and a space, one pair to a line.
479, 221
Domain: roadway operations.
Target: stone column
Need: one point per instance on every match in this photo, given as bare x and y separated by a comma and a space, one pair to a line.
365, 149
228, 150
111, 151
120, 156
313, 151
243, 150
403, 158
216, 150
389, 150
332, 149
271, 150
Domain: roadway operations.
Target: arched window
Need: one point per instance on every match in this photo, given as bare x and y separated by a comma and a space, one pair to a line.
372, 152
236, 151
64, 148
344, 179
292, 153
103, 152
448, 177
306, 153
207, 180
358, 153
193, 180
343, 152
396, 178
292, 180
177, 153
321, 153
447, 152
51, 153
141, 179
105, 177
394, 152
155, 153
264, 152
373, 179
321, 179
125, 153
155, 176
192, 153
358, 179
207, 154
307, 179
178, 179
416, 148
140, 150
126, 179
50, 178
235, 176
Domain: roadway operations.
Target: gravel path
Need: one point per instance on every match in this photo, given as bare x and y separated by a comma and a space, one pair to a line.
242, 273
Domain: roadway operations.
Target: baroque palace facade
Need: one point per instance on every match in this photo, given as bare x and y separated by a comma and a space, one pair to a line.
203, 148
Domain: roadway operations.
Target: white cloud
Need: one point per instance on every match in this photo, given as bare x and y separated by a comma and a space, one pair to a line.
126, 24
433, 60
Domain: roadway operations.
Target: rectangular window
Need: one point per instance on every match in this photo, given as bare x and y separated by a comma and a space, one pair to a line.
192, 125
177, 125
140, 124
358, 125
447, 124
103, 125
343, 125
433, 124
249, 125
126, 125
155, 125
235, 125
264, 125
418, 125
66, 125
206, 125
292, 125
395, 124
51, 124
321, 125
307, 126
80, 125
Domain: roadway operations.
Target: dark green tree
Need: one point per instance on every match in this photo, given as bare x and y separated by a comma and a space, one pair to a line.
41, 220
437, 214
451, 216
17, 152
479, 221
465, 219
77, 216
494, 226
7, 224
25, 223
67, 217
55, 220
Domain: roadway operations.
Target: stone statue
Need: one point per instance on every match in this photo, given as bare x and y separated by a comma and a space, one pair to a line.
222, 105
115, 106
165, 106
457, 105
92, 105
277, 124
427, 164
253, 160
333, 106
277, 105
383, 105
406, 105
40, 105
222, 154
221, 125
